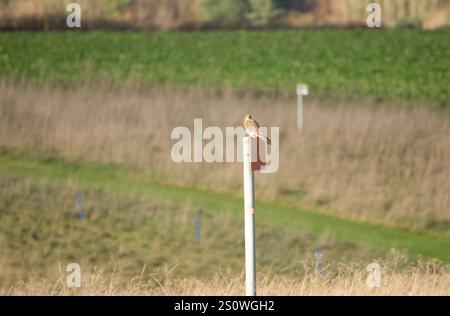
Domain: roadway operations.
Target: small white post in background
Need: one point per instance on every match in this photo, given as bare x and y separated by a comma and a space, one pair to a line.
302, 90
249, 201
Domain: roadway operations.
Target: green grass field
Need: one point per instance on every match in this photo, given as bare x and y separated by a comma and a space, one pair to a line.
412, 65
294, 229
139, 209
137, 238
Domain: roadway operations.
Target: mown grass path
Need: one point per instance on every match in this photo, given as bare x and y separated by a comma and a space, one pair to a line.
118, 180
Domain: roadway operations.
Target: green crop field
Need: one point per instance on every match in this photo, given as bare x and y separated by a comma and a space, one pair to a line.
406, 64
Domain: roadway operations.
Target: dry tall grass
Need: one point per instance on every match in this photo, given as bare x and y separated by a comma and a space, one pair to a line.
427, 279
368, 160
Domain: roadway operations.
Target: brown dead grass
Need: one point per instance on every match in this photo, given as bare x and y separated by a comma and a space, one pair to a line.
425, 280
367, 160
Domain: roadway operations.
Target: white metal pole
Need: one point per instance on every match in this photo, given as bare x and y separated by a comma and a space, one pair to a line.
300, 111
249, 201
302, 90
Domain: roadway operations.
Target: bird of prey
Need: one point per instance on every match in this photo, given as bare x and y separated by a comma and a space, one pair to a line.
252, 129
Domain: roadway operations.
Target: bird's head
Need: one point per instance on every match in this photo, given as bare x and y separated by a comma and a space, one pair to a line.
248, 117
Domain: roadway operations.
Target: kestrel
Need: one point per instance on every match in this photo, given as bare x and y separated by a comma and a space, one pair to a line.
252, 129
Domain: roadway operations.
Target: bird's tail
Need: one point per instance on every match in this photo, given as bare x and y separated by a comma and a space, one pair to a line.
265, 139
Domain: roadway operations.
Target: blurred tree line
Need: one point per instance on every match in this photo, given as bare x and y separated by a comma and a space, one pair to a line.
198, 14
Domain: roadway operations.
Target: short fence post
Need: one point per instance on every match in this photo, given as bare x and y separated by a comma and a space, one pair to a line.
249, 201
319, 264
198, 227
80, 206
